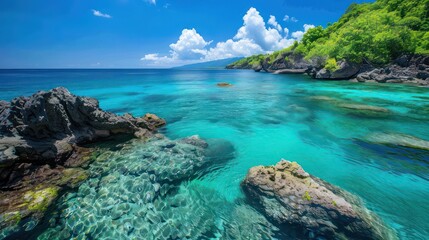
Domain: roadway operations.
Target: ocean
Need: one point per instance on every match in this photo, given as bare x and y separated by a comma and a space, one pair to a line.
265, 117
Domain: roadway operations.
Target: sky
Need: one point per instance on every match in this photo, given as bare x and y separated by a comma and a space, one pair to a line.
152, 33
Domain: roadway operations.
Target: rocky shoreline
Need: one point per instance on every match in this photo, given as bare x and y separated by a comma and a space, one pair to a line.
42, 148
409, 69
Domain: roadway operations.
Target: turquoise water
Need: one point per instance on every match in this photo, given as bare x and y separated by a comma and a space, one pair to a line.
268, 117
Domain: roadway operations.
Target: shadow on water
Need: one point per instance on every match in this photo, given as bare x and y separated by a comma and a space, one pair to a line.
397, 159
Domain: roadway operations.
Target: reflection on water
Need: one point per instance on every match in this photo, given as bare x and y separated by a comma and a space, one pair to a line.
262, 117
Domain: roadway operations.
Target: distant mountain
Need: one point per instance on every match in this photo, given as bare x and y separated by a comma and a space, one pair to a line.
217, 64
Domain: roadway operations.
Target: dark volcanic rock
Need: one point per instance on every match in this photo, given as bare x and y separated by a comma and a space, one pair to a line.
44, 128
346, 70
406, 69
41, 152
309, 207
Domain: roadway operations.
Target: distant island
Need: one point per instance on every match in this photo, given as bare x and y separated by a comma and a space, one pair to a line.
384, 41
216, 64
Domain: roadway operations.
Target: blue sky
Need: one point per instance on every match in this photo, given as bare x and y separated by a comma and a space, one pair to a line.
151, 33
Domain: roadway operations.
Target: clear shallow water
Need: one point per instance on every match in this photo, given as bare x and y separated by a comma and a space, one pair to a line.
267, 117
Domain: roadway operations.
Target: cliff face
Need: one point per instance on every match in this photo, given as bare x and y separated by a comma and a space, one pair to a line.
387, 38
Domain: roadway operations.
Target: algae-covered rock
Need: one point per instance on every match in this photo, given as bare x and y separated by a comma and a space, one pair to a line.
323, 98
308, 206
349, 107
398, 139
365, 110
40, 199
224, 84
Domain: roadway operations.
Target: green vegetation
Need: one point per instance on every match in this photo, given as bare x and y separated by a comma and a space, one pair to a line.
306, 196
251, 61
331, 64
373, 32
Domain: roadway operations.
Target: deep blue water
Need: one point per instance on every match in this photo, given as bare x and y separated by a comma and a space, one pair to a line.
268, 117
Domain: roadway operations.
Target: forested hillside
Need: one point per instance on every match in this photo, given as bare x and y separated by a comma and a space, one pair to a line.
374, 33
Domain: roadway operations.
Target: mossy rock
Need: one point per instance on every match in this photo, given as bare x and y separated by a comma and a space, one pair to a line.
11, 218
72, 177
40, 199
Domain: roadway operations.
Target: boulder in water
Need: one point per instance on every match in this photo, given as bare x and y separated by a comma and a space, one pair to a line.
308, 206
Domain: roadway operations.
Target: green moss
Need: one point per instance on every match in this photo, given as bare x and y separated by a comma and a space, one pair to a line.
306, 196
73, 177
334, 203
39, 200
12, 218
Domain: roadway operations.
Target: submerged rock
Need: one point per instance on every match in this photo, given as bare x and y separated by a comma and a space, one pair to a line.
224, 84
350, 107
143, 191
398, 139
363, 109
308, 206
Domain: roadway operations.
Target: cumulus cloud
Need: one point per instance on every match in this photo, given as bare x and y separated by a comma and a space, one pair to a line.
100, 14
286, 32
189, 46
299, 34
273, 22
253, 37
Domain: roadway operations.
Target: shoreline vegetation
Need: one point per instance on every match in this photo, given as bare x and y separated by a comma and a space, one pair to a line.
386, 41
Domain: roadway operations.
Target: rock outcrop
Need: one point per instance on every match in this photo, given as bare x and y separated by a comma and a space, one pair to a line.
46, 127
412, 69
309, 207
345, 70
41, 147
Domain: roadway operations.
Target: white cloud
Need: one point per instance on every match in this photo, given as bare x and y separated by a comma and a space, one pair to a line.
286, 32
100, 14
151, 1
299, 34
253, 37
288, 18
308, 27
231, 48
273, 22
254, 29
189, 46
